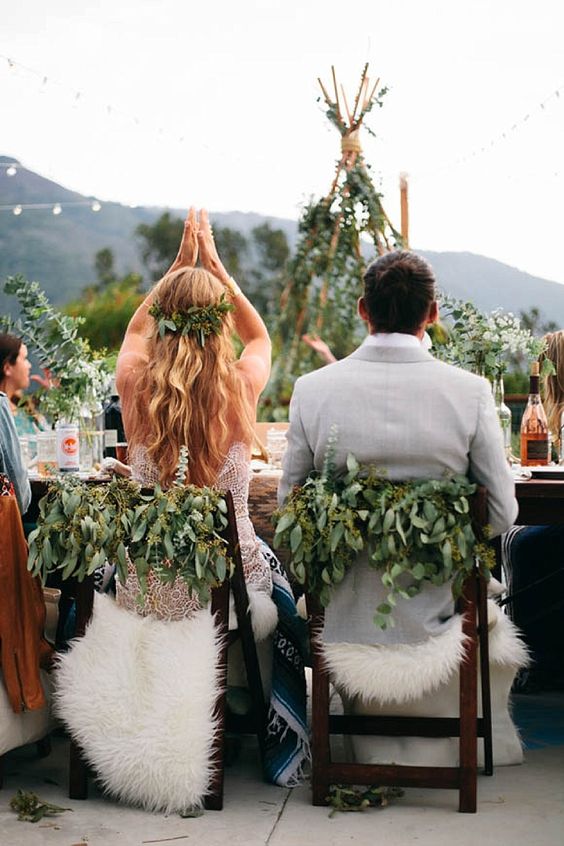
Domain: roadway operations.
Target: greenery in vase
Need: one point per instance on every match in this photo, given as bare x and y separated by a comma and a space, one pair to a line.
174, 533
81, 377
413, 532
484, 342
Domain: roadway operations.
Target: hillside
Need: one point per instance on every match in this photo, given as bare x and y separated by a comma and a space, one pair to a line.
58, 251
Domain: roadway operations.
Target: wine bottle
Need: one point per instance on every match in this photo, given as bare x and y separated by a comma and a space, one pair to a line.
534, 425
113, 423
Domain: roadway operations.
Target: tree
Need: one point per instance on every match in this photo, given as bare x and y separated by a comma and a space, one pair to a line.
159, 243
268, 274
104, 266
258, 263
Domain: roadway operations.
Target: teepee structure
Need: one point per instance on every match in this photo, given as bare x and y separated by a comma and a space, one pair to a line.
325, 276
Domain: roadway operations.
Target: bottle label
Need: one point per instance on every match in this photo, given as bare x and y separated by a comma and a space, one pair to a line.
67, 448
537, 450
110, 437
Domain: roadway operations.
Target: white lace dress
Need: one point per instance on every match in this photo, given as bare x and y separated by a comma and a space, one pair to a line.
174, 602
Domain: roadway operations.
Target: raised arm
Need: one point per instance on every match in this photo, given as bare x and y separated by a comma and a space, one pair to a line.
255, 358
133, 350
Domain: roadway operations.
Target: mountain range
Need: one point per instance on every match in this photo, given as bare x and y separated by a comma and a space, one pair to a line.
58, 250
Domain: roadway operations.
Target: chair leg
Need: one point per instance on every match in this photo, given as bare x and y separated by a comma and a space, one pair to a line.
320, 737
78, 773
43, 746
485, 676
213, 801
468, 762
248, 644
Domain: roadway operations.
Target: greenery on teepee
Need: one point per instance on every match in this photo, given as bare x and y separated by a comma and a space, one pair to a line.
325, 276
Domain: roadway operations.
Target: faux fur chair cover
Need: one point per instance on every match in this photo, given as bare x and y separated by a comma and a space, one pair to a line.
422, 680
138, 695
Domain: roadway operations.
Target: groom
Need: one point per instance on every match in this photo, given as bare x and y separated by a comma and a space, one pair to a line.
397, 407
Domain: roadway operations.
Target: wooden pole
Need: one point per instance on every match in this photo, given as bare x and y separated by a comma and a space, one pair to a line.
404, 204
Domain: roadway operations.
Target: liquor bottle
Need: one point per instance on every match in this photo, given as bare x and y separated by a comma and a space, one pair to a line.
113, 423
534, 426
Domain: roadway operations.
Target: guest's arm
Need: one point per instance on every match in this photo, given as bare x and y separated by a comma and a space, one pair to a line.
320, 347
249, 325
133, 350
488, 464
12, 457
297, 463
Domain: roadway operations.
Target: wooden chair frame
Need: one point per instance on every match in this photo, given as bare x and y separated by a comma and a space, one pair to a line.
467, 727
256, 721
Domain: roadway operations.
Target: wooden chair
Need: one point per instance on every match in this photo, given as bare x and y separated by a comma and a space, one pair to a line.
255, 721
467, 727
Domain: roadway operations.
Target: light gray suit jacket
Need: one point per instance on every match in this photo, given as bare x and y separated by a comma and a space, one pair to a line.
402, 410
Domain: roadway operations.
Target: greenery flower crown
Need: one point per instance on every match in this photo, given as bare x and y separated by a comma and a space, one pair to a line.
201, 321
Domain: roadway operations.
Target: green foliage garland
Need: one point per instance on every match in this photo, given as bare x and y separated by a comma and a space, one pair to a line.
201, 321
81, 376
484, 342
174, 533
413, 532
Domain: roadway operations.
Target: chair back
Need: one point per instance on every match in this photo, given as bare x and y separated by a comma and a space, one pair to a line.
325, 771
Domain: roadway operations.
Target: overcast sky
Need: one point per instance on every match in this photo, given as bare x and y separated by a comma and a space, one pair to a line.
215, 103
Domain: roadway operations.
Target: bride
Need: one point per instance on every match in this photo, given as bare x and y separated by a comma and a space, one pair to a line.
138, 690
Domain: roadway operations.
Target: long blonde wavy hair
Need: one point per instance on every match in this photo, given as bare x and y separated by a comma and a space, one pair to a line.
188, 394
554, 383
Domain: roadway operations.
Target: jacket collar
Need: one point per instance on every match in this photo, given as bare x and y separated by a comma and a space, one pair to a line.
398, 355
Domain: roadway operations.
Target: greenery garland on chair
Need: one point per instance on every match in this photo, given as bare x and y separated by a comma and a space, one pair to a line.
174, 533
414, 532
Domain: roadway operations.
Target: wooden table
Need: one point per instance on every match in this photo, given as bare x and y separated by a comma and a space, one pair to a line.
541, 502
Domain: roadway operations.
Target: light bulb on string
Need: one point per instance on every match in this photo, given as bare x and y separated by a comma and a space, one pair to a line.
11, 171
96, 206
17, 210
57, 208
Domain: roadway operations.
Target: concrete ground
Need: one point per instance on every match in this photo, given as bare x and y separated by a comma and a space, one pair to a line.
518, 805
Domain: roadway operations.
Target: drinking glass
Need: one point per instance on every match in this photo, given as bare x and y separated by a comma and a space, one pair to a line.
24, 449
276, 447
46, 453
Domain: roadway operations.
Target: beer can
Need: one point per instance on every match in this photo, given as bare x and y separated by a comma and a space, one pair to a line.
67, 448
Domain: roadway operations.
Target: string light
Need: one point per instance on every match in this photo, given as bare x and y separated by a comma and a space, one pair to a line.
112, 112
54, 208
503, 136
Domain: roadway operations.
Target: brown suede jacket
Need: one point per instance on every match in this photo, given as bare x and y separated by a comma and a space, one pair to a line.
23, 648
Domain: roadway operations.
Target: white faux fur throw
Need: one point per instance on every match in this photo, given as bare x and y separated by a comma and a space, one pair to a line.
138, 696
263, 611
400, 673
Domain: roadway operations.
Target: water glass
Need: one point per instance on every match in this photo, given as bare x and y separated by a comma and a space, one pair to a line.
276, 444
46, 453
91, 449
25, 451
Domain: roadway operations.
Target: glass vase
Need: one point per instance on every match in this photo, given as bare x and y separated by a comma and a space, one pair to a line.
503, 413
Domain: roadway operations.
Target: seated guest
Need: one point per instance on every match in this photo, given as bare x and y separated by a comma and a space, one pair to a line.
14, 379
533, 558
11, 464
396, 407
180, 387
